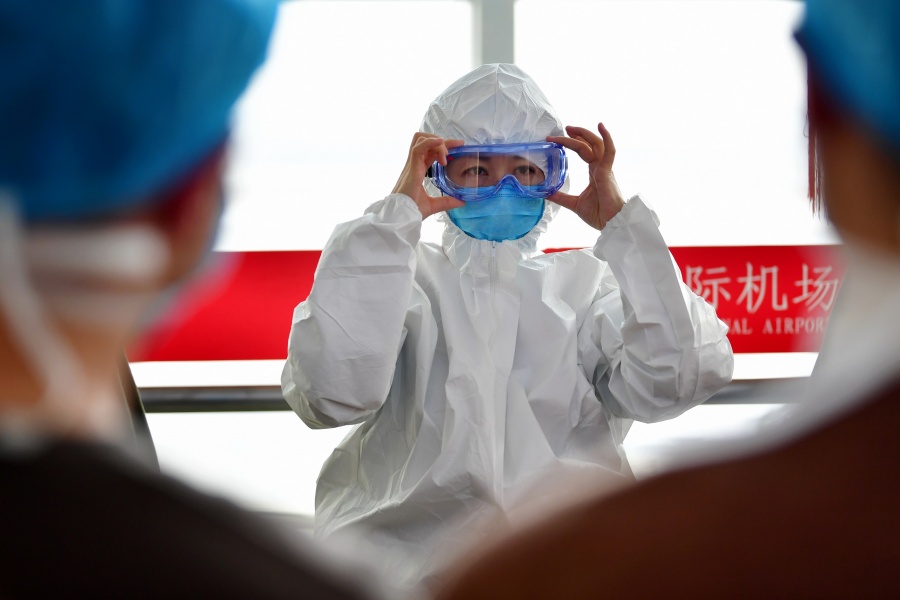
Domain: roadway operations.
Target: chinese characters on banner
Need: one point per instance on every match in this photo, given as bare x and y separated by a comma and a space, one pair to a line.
773, 298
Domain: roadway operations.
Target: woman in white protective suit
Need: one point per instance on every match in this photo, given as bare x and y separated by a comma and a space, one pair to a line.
478, 366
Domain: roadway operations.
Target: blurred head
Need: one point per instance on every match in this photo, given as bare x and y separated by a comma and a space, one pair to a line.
853, 55
118, 110
114, 118
108, 104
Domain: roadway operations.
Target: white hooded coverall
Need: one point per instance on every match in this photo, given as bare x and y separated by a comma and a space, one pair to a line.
474, 367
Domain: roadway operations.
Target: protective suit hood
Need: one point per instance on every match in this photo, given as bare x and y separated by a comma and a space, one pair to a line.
494, 104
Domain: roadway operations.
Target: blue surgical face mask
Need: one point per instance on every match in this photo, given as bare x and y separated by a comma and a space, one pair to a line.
508, 215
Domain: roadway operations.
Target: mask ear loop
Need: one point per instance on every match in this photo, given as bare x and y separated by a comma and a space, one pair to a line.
62, 405
76, 271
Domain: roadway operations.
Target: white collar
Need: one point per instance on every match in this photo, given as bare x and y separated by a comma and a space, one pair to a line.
473, 257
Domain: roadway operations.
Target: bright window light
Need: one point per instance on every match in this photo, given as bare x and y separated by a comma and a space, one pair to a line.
325, 128
706, 102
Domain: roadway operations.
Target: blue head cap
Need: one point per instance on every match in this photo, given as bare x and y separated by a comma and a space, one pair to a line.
853, 48
106, 102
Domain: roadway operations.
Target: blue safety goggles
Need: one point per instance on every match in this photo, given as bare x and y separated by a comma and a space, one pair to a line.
475, 173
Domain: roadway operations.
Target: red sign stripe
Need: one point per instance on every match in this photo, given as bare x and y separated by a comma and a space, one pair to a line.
775, 299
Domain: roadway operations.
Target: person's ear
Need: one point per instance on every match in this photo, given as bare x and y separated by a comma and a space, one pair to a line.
189, 217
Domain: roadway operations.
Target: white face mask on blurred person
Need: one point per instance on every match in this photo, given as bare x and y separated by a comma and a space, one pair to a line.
97, 277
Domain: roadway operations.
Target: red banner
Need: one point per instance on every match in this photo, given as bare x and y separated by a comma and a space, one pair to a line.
774, 299
239, 309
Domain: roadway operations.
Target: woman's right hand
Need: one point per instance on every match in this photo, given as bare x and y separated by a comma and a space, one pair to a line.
425, 149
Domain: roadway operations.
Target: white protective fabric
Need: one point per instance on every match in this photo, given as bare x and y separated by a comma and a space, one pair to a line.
475, 367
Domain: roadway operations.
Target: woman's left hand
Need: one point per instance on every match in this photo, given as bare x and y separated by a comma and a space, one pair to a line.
601, 200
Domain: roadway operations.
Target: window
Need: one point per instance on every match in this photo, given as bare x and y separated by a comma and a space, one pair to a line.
324, 129
705, 100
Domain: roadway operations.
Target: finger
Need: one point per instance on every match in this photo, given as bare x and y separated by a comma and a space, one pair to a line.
444, 149
419, 135
426, 148
420, 159
438, 154
589, 137
610, 154
428, 142
581, 132
579, 146
450, 142
442, 203
564, 200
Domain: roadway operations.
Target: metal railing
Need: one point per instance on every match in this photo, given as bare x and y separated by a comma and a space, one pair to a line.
269, 398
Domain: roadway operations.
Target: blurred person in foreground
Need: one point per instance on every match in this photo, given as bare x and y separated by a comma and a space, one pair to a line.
812, 509
113, 124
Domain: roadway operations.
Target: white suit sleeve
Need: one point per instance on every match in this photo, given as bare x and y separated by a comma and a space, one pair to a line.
345, 337
662, 349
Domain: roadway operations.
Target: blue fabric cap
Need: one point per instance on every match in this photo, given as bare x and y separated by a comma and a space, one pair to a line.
105, 102
853, 46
